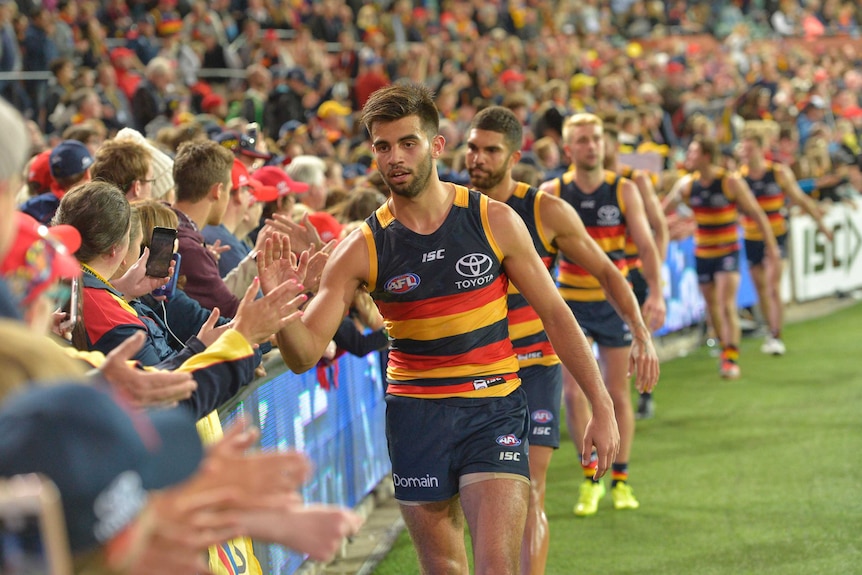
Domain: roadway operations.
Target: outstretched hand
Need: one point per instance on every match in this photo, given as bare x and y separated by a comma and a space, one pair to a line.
208, 332
257, 319
316, 263
276, 263
302, 236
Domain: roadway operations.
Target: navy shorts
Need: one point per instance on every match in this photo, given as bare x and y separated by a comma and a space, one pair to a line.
755, 250
639, 285
600, 321
544, 387
708, 267
434, 442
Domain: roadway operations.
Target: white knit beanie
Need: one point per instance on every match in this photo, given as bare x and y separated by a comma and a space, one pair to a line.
163, 164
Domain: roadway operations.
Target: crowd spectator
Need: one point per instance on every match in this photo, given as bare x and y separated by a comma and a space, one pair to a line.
127, 165
244, 196
149, 100
69, 164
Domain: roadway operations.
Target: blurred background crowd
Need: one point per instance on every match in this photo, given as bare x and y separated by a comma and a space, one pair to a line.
177, 70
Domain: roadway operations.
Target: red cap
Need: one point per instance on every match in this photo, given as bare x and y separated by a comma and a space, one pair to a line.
261, 192
39, 256
238, 175
278, 178
326, 225
675, 67
210, 102
121, 52
511, 75
40, 172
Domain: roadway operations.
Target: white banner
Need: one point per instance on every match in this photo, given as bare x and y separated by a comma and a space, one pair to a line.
822, 268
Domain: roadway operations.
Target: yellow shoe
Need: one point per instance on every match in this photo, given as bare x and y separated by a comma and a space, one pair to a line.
623, 497
588, 501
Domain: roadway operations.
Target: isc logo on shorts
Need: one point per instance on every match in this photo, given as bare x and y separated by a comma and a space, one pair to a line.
542, 416
509, 440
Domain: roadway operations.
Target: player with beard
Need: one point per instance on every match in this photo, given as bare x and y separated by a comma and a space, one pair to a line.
493, 148
437, 258
610, 207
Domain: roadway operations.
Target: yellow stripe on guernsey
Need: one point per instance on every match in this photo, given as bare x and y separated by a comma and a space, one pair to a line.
445, 319
574, 282
632, 259
771, 199
434, 328
716, 233
525, 328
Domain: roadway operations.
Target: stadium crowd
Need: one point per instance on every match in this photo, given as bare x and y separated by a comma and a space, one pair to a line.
236, 123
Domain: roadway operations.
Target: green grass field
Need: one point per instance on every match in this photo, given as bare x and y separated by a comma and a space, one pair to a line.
762, 475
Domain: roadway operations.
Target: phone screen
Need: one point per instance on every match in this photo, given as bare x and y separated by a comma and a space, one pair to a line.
161, 251
74, 307
32, 532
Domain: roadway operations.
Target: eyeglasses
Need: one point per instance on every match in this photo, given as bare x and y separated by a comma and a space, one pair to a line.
153, 181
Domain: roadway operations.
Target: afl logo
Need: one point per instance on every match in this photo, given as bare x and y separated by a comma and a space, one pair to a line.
508, 441
402, 284
474, 265
542, 416
609, 215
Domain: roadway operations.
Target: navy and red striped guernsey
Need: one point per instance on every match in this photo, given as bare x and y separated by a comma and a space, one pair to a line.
604, 215
443, 299
771, 198
525, 328
633, 260
716, 216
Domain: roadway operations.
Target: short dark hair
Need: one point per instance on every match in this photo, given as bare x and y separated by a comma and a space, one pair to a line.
399, 101
198, 166
503, 121
100, 212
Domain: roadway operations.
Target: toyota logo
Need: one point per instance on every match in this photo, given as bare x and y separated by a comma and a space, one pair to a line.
474, 265
609, 214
